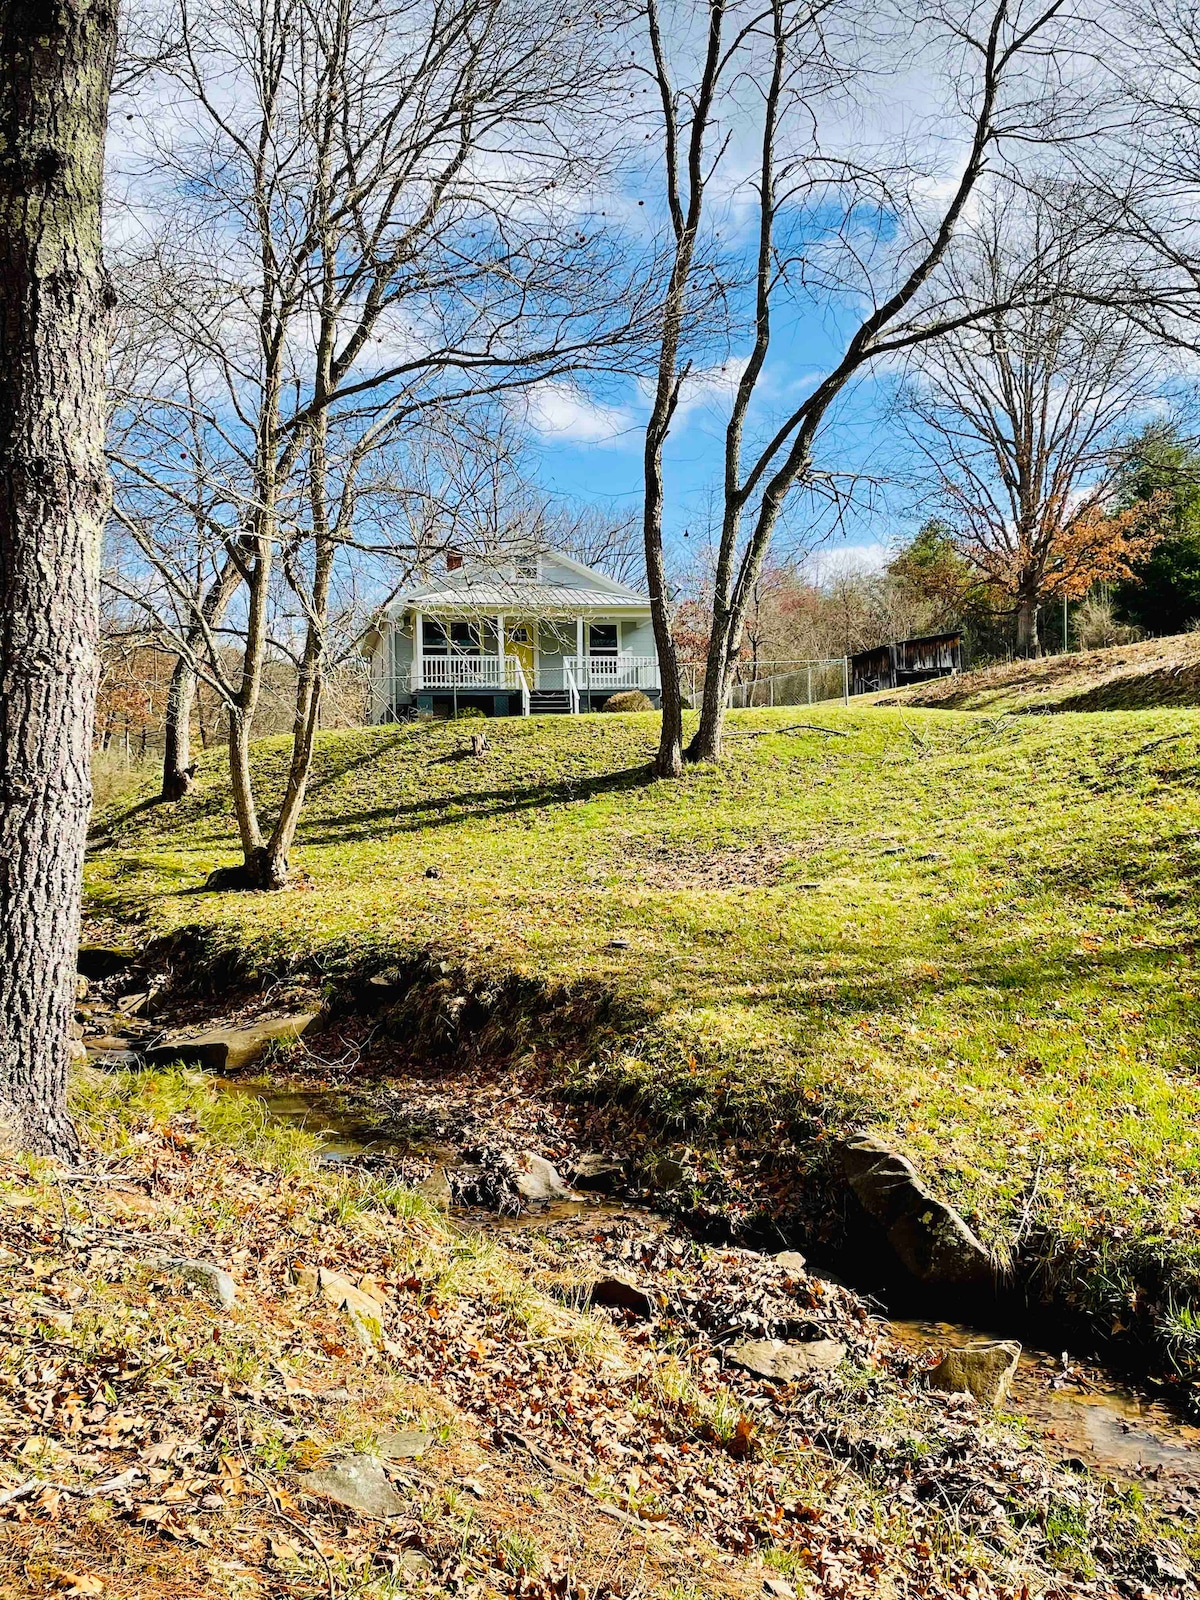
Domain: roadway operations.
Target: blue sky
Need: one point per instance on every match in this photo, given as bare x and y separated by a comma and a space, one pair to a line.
589, 448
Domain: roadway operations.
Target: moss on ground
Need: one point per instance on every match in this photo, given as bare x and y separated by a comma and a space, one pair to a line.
978, 934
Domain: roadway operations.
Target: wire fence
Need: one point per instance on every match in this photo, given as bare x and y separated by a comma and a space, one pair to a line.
794, 683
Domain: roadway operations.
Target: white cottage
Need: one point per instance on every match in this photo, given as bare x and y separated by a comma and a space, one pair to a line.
535, 633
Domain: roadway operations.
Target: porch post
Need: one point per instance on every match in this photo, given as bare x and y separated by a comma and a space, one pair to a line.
500, 648
418, 676
582, 674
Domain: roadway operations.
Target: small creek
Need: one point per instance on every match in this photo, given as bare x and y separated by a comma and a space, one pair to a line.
1083, 1413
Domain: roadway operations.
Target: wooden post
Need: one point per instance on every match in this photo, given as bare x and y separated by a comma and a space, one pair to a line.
584, 681
418, 675
500, 648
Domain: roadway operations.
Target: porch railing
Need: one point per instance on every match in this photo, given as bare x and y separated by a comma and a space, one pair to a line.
613, 672
466, 672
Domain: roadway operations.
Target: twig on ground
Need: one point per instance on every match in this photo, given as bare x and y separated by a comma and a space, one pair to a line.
298, 1526
792, 727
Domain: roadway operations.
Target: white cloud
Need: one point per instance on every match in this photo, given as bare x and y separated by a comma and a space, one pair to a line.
843, 559
562, 414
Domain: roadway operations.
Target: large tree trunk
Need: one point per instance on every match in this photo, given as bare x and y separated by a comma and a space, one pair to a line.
55, 69
1027, 621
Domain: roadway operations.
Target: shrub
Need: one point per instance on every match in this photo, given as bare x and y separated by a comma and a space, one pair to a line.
1097, 628
628, 700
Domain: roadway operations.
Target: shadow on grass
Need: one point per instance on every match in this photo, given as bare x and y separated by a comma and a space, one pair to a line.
101, 832
470, 806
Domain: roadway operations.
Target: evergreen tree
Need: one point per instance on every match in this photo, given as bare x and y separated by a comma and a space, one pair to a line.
1163, 597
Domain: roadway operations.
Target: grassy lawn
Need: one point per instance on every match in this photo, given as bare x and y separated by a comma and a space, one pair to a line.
978, 934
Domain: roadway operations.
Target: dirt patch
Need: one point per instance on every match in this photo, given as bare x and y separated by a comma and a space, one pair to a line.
756, 866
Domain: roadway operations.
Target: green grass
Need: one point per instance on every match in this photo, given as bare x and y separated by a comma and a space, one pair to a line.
978, 934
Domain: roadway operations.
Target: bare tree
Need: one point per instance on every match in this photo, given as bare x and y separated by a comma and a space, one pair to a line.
1001, 65
1018, 416
374, 188
55, 71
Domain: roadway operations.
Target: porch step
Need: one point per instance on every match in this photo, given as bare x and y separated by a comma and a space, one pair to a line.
543, 701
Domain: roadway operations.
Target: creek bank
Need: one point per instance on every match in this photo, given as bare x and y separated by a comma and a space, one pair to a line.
444, 1132
848, 1200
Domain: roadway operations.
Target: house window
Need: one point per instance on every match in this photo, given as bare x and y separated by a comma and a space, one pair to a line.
529, 567
450, 639
521, 636
602, 638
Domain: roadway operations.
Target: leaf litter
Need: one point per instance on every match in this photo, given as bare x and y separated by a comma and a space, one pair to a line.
153, 1444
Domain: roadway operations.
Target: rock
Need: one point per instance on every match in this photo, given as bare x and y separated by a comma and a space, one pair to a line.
670, 1172
81, 988
358, 1482
436, 1189
621, 1294
402, 1446
433, 872
213, 1281
78, 1052
341, 1292
791, 1261
230, 1049
113, 1060
929, 1237
780, 1588
597, 1173
984, 1370
537, 1180
785, 1361
415, 1562
136, 1004
100, 961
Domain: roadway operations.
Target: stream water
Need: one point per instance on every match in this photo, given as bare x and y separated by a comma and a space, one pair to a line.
1083, 1413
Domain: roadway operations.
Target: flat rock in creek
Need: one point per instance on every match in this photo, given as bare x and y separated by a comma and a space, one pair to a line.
785, 1361
929, 1237
358, 1482
405, 1444
984, 1370
537, 1180
231, 1049
113, 1060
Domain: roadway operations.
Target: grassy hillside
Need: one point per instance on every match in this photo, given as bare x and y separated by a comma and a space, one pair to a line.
978, 935
1153, 673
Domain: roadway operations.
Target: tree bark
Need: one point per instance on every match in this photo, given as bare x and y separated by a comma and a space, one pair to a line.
1027, 622
55, 70
178, 770
177, 732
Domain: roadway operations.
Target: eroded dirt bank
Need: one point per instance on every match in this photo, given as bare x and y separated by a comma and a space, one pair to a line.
872, 1422
424, 1058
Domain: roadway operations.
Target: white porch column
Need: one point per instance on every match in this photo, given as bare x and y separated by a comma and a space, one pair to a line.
581, 671
500, 649
418, 678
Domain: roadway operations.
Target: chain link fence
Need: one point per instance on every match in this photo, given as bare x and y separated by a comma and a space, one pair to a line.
793, 683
